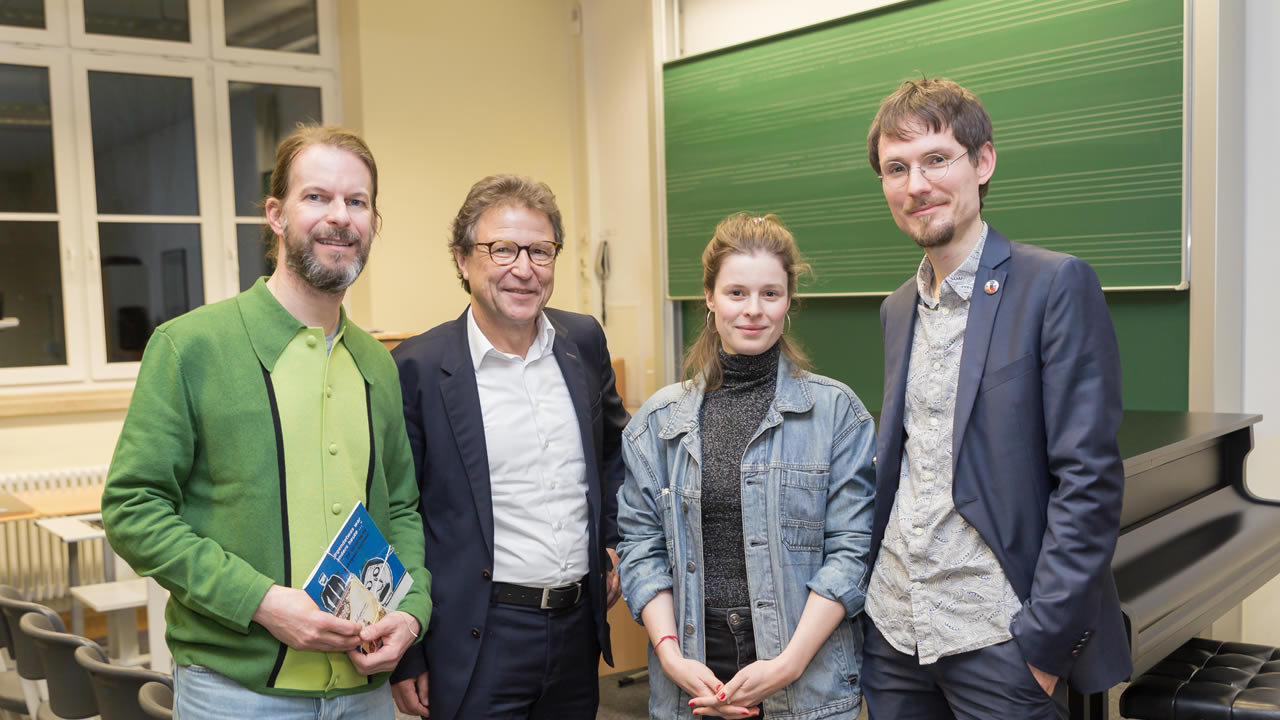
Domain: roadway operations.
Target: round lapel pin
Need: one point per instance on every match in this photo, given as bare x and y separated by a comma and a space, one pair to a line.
991, 287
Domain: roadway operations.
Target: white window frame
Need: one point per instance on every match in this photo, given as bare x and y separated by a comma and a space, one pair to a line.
54, 31
326, 36
223, 76
206, 179
70, 246
69, 54
197, 47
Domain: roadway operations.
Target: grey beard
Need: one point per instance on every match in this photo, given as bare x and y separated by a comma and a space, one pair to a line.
301, 259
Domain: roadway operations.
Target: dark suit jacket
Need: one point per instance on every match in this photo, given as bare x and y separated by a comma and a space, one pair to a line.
446, 434
1037, 470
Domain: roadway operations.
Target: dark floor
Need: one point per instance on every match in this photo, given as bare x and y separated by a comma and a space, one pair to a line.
625, 695
630, 701
626, 701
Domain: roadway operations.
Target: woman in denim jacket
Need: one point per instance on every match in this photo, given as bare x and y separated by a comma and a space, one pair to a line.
746, 510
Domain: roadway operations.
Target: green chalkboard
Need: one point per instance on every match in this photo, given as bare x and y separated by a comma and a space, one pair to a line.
842, 337
1086, 97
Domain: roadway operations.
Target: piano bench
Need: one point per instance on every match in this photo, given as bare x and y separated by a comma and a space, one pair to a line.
1208, 680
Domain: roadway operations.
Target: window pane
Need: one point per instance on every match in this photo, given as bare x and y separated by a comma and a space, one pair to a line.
144, 144
251, 247
150, 273
26, 134
22, 13
288, 25
152, 19
261, 116
31, 291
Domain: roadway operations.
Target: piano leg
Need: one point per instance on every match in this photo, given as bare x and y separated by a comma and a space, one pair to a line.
1087, 707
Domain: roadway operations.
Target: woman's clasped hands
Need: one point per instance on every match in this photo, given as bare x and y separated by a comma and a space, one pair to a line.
742, 695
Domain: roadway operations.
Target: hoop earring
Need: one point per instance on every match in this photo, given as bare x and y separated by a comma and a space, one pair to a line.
786, 328
710, 325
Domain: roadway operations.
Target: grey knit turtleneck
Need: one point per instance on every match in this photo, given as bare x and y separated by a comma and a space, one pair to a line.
730, 416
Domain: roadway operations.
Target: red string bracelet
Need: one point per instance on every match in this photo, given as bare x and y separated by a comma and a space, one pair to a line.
663, 639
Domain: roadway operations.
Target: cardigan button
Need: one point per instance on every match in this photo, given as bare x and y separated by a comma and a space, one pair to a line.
486, 574
475, 632
333, 448
337, 508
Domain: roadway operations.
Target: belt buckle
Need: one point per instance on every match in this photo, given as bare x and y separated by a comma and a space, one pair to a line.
546, 595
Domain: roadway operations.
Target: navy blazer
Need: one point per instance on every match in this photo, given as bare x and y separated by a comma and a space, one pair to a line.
1036, 467
446, 434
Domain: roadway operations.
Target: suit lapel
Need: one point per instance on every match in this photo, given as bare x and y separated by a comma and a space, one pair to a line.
977, 333
575, 378
461, 397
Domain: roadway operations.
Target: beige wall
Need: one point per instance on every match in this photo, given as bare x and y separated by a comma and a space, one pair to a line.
447, 92
1261, 258
621, 152
58, 441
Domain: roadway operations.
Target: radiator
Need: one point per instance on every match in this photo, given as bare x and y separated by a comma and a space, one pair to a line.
31, 558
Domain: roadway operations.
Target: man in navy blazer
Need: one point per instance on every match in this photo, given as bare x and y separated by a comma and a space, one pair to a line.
515, 426
998, 476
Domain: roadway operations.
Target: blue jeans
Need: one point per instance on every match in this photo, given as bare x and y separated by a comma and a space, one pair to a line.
199, 693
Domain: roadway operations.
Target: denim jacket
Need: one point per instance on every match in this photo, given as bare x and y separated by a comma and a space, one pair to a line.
807, 489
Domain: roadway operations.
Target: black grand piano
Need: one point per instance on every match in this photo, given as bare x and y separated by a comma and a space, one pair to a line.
1194, 541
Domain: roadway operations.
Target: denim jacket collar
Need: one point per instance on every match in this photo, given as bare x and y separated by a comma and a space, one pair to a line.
791, 394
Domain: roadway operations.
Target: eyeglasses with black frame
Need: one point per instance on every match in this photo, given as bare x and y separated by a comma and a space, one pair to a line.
505, 252
933, 167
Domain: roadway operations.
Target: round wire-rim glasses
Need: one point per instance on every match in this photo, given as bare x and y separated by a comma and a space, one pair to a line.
933, 168
505, 252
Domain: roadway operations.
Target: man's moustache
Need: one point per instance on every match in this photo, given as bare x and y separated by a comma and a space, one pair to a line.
345, 235
923, 202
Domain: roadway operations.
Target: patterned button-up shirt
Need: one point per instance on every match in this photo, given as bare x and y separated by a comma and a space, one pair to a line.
937, 589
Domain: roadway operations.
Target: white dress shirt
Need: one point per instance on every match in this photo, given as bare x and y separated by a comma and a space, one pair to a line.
537, 471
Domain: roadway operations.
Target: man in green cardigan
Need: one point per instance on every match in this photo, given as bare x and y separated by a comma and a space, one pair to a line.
256, 425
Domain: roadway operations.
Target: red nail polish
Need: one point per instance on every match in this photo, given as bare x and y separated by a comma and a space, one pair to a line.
721, 696
690, 703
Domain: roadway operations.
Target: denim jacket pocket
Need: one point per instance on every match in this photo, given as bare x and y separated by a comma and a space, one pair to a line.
802, 498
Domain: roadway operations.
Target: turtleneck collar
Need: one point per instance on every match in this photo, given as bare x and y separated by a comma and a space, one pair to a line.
745, 369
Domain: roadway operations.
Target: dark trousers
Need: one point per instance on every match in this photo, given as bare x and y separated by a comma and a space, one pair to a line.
535, 665
991, 682
730, 641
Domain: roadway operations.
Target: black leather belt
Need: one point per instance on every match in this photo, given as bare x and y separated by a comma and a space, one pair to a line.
545, 598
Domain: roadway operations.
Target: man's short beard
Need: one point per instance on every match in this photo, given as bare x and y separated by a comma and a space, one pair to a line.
931, 236
300, 257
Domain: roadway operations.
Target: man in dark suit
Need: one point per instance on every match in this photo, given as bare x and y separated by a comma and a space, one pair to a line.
998, 476
515, 426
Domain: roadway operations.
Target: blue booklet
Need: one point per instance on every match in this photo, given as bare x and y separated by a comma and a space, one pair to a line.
359, 578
